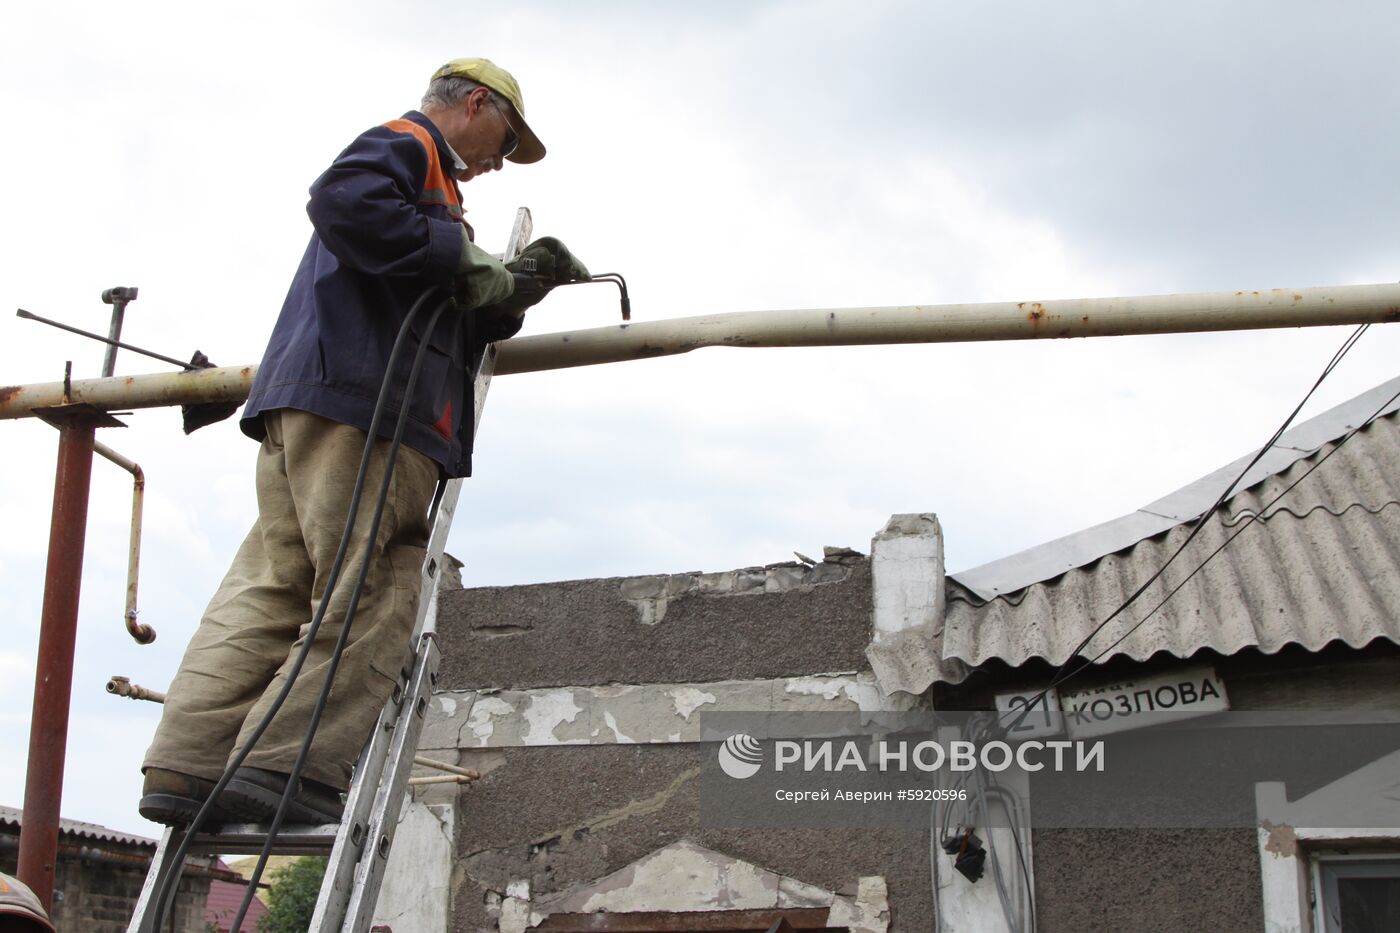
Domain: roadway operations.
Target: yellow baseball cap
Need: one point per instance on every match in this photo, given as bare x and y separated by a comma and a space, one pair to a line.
487, 72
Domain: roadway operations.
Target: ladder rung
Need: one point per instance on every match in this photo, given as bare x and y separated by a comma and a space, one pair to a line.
248, 838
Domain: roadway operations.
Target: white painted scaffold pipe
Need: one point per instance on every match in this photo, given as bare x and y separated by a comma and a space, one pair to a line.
960, 323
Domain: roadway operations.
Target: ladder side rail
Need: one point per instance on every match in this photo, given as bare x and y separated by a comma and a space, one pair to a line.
348, 850
393, 785
366, 875
359, 803
351, 834
343, 871
161, 867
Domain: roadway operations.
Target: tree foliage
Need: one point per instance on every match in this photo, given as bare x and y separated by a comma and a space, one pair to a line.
291, 897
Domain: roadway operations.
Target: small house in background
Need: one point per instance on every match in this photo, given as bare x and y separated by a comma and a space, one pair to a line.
579, 703
100, 873
225, 896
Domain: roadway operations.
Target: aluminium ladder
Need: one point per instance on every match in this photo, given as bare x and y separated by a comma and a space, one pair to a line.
358, 847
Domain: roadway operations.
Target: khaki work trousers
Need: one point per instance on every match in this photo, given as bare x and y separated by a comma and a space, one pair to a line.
239, 657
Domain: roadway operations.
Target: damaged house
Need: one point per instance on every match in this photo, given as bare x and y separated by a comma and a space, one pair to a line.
581, 704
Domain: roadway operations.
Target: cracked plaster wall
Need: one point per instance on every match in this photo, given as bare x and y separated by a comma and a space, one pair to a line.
611, 663
686, 877
635, 713
550, 820
415, 892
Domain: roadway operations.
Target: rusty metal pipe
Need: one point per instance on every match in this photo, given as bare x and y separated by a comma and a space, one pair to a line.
154, 390
143, 634
123, 687
1023, 320
53, 679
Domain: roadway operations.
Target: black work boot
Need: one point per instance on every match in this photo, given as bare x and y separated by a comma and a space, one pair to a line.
174, 798
254, 794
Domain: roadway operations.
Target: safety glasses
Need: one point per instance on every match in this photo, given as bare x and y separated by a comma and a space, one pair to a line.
512, 137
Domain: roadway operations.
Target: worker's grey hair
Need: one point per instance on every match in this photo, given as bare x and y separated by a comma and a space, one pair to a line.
451, 90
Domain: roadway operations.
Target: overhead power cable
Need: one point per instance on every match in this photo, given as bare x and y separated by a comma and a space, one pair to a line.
1064, 672
1244, 523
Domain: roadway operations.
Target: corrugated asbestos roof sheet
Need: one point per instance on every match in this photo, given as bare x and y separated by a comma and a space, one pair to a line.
1322, 565
82, 830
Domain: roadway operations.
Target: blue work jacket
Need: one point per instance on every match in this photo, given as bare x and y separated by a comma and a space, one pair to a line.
388, 227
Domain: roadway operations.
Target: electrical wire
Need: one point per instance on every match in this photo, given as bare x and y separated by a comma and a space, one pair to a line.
1245, 523
1200, 522
165, 892
934, 838
1016, 823
1063, 672
1003, 896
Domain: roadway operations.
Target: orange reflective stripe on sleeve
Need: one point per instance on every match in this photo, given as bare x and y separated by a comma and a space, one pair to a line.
439, 188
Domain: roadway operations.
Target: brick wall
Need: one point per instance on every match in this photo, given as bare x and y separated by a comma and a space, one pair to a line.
93, 896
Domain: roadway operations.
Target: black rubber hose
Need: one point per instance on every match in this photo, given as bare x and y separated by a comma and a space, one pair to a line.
343, 637
164, 894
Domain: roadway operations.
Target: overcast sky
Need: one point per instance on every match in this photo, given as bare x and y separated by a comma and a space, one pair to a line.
724, 157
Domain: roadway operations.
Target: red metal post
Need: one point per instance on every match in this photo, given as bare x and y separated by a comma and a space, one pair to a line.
53, 679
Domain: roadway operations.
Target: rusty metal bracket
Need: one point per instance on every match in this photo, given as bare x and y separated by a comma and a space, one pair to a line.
63, 416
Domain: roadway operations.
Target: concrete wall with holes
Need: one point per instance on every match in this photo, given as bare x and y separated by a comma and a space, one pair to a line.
578, 702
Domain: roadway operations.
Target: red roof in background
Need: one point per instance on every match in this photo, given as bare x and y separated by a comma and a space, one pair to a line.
222, 906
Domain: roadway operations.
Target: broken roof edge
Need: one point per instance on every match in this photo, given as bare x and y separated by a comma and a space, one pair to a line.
1053, 558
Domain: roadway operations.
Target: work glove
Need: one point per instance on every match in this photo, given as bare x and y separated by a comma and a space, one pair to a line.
481, 279
551, 260
529, 291
505, 318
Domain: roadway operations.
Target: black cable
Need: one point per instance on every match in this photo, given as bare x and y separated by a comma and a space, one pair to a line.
391, 456
164, 894
1245, 523
1020, 853
1229, 490
1061, 675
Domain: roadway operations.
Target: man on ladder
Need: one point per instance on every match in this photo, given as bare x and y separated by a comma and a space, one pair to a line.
388, 228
